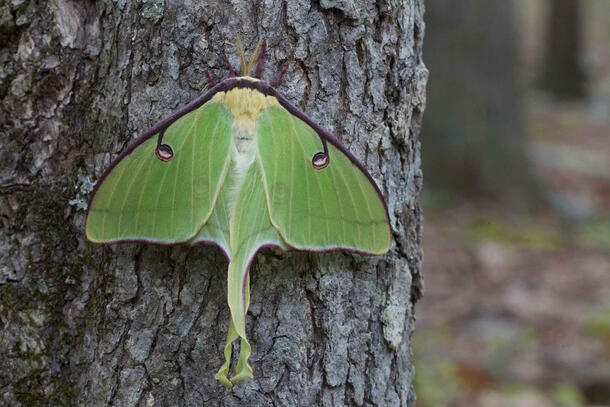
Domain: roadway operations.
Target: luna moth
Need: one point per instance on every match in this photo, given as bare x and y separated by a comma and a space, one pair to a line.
241, 168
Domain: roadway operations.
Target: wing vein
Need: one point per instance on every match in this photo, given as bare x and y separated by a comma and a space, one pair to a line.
160, 191
368, 207
114, 187
139, 205
321, 192
135, 175
194, 146
353, 201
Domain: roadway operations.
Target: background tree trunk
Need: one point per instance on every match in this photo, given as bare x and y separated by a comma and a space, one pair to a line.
473, 135
135, 325
563, 76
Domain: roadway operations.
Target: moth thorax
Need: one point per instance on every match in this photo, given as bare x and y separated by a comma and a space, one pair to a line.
243, 137
245, 105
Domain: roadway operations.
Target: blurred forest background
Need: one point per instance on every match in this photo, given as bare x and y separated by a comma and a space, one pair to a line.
516, 146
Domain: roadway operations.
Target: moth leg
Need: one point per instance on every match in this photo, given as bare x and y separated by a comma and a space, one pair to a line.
231, 70
212, 81
279, 80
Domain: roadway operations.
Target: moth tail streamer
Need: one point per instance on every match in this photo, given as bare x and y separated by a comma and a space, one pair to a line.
243, 370
237, 330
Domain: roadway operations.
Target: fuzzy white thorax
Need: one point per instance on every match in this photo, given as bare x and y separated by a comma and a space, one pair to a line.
245, 105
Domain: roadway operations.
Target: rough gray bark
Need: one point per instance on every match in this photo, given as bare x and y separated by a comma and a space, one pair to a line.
136, 325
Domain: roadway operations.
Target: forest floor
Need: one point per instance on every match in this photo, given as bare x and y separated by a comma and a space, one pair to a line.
516, 310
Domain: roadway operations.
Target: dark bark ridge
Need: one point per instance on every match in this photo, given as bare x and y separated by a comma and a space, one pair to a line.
137, 325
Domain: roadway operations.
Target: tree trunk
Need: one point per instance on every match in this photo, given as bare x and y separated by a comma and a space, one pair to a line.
473, 135
563, 75
136, 325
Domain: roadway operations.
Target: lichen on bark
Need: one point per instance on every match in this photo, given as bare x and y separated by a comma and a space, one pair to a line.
136, 325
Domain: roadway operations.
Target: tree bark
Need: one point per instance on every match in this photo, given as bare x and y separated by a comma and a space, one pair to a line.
136, 325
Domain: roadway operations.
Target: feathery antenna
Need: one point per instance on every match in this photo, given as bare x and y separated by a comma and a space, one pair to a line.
253, 57
242, 55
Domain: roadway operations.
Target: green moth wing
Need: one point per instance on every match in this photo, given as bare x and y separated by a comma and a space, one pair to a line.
217, 230
144, 198
337, 206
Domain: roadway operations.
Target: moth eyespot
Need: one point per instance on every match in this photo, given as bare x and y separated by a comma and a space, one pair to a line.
319, 160
164, 152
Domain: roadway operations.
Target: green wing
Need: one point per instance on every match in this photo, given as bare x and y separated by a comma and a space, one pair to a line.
143, 198
216, 230
334, 207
